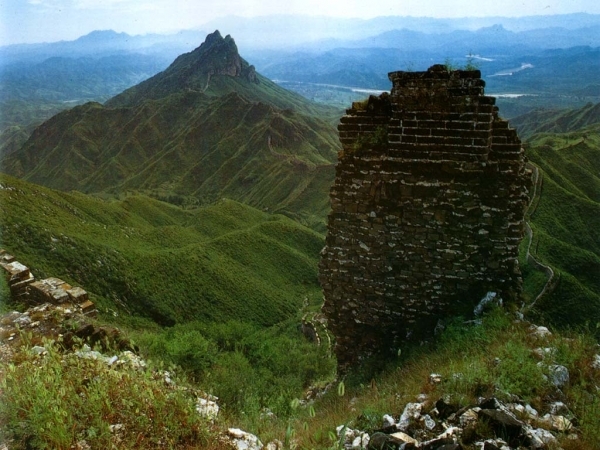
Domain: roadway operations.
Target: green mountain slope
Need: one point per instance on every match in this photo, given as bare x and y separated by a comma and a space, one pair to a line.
566, 223
556, 121
148, 258
207, 127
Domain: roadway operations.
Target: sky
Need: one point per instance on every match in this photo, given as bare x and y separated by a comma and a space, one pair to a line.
29, 21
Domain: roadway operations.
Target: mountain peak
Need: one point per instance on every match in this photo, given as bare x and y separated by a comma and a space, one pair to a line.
216, 56
103, 35
205, 69
214, 37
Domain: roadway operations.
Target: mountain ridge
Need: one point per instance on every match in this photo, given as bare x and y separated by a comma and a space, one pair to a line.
192, 71
207, 127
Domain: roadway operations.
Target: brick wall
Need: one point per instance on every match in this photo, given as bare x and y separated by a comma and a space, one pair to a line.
427, 211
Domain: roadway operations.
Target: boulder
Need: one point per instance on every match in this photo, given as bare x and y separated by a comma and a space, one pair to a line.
243, 440
558, 375
381, 441
504, 425
411, 413
405, 438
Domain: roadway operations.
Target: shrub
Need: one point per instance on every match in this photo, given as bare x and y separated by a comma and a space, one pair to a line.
56, 400
367, 141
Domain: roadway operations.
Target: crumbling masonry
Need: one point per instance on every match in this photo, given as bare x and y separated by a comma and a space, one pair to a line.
427, 211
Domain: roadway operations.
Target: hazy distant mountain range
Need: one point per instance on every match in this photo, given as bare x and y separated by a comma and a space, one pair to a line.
538, 61
322, 33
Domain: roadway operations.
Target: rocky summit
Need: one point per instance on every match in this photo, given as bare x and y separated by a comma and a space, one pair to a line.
194, 71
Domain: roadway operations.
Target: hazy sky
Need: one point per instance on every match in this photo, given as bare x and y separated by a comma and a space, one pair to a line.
53, 20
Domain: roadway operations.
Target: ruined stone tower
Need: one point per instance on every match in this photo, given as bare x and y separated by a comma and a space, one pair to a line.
427, 211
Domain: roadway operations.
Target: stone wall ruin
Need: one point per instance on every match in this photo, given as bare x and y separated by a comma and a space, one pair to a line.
24, 288
427, 211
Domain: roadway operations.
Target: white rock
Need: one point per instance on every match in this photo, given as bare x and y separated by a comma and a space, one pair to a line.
557, 408
349, 435
38, 350
131, 359
469, 416
405, 438
502, 445
365, 440
534, 440
274, 445
87, 353
361, 441
435, 378
489, 298
559, 375
516, 408
208, 408
543, 352
167, 376
422, 398
429, 422
451, 431
412, 411
596, 362
243, 440
388, 421
23, 320
557, 423
531, 412
540, 332
541, 438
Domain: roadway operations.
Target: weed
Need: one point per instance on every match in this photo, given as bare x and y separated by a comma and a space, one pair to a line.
56, 400
376, 140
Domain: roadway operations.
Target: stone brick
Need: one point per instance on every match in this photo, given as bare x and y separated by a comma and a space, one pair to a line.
432, 218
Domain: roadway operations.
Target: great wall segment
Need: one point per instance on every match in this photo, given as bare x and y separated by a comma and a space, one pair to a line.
427, 211
26, 290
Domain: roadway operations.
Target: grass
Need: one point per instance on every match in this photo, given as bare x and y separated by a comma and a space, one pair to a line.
79, 399
57, 401
146, 258
4, 294
565, 224
248, 367
492, 359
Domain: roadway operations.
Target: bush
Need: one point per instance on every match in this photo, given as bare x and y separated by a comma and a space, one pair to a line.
248, 367
367, 141
56, 400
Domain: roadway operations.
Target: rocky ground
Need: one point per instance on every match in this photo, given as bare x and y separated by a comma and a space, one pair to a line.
426, 423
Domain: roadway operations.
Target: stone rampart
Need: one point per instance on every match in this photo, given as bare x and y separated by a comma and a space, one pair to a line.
25, 289
427, 211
